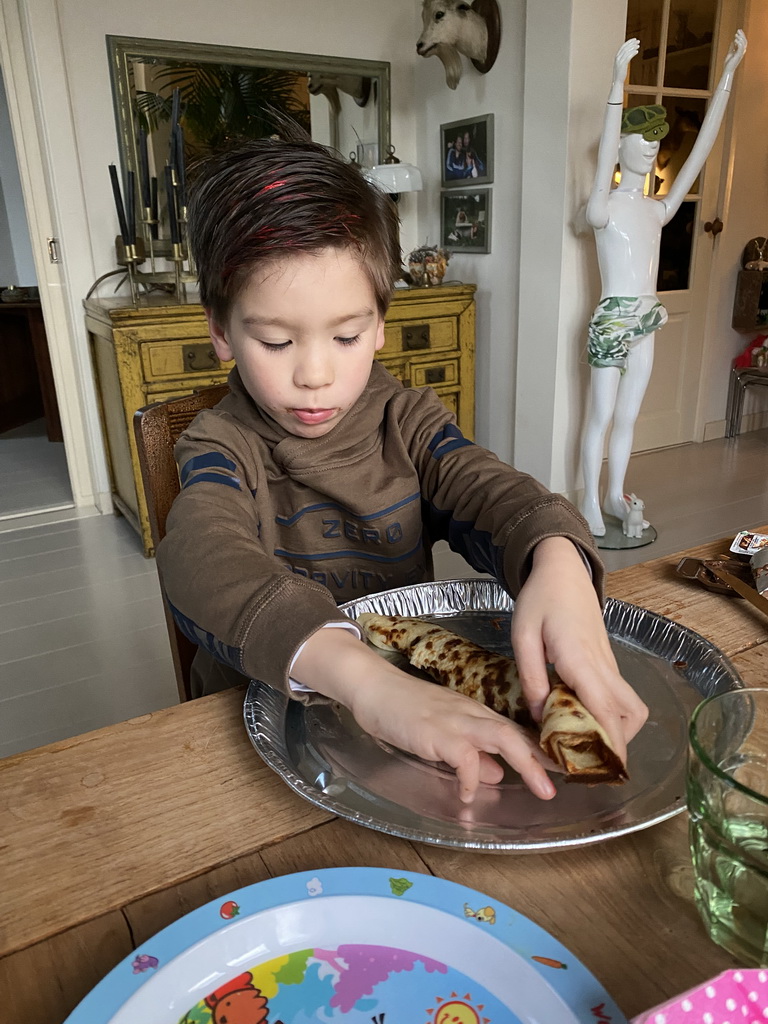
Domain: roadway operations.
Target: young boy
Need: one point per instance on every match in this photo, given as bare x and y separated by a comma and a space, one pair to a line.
321, 478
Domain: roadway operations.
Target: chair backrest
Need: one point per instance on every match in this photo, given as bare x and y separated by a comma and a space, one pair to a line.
157, 428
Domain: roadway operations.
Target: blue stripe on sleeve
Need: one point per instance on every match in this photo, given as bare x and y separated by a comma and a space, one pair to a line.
476, 546
214, 478
451, 446
451, 434
231, 656
207, 461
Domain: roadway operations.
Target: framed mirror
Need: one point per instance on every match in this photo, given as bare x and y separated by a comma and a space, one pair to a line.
224, 90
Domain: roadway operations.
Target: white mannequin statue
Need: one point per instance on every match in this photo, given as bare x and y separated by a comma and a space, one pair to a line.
627, 227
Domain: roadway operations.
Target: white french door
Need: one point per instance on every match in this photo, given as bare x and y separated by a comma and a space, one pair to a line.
682, 47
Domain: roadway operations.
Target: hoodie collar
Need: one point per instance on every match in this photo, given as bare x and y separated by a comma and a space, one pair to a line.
346, 441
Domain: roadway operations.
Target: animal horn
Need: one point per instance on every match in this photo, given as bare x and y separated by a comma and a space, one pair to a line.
451, 59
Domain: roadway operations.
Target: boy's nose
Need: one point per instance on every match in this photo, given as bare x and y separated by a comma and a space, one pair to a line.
314, 371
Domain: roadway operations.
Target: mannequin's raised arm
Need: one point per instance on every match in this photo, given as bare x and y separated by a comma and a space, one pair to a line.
597, 206
705, 140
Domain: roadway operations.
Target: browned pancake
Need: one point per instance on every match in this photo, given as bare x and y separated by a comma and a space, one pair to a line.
570, 735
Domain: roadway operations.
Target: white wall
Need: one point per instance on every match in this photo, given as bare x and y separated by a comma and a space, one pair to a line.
564, 109
500, 92
16, 263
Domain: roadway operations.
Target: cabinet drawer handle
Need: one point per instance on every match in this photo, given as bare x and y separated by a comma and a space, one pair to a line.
434, 375
199, 357
415, 337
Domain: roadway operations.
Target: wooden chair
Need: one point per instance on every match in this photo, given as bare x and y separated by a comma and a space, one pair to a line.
157, 428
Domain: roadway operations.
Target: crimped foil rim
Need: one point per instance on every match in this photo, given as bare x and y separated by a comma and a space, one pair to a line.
265, 709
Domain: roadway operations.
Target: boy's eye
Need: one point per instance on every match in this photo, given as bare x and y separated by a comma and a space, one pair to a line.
275, 346
348, 341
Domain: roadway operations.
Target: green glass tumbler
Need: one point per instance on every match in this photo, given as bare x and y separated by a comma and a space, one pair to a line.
727, 785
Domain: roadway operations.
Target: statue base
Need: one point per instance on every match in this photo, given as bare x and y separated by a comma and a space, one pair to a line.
616, 540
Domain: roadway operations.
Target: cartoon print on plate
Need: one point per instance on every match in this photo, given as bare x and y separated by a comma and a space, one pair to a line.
600, 1014
547, 961
314, 886
144, 963
399, 886
354, 984
486, 915
327, 948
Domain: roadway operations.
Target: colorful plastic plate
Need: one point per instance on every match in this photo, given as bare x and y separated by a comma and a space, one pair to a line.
350, 946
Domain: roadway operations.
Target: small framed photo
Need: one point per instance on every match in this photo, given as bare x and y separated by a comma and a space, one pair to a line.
467, 152
465, 221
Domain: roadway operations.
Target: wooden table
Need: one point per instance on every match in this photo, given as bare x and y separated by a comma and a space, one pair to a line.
112, 835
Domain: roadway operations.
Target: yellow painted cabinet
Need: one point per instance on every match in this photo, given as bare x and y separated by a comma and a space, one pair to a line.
161, 350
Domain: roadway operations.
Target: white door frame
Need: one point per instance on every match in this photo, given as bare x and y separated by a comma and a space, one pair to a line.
44, 138
732, 16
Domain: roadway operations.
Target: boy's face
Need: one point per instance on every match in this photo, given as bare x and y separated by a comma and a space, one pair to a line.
303, 332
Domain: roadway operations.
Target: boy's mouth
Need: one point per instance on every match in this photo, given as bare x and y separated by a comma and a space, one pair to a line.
312, 416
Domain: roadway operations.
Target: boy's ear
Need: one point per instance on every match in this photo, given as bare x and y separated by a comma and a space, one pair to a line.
220, 344
380, 339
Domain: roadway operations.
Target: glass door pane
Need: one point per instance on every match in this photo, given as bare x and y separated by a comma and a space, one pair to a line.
673, 69
677, 249
644, 22
689, 44
684, 115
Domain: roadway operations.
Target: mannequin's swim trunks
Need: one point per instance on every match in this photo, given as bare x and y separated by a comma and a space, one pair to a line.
618, 320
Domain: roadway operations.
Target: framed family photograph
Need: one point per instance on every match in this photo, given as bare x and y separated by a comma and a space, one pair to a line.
465, 221
467, 152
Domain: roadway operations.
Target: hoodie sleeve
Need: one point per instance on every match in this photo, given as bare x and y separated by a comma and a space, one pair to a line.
490, 513
226, 591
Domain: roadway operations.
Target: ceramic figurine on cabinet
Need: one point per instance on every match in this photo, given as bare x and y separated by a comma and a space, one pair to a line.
627, 226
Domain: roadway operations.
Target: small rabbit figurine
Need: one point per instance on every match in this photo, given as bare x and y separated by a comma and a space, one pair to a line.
632, 524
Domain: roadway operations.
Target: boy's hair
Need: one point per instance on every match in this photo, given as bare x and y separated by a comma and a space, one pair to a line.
269, 199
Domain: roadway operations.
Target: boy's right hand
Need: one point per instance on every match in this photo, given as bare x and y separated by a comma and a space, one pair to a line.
418, 716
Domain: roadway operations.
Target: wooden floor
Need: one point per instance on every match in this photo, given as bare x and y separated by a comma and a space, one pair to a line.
82, 636
33, 471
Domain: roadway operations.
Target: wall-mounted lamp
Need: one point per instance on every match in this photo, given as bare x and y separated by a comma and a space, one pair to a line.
395, 177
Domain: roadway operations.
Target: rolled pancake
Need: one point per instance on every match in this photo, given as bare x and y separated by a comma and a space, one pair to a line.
570, 735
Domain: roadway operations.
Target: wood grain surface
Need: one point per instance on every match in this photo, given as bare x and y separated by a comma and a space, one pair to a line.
98, 821
112, 835
728, 622
44, 983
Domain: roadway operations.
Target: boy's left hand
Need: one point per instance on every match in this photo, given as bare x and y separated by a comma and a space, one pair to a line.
558, 619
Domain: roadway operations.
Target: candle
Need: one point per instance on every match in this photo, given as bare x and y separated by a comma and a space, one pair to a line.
119, 203
170, 192
153, 207
181, 175
130, 207
175, 108
144, 170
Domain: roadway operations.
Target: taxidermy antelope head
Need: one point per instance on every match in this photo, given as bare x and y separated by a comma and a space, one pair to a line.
453, 27
322, 83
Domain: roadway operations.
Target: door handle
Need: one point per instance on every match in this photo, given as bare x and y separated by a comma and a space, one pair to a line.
714, 226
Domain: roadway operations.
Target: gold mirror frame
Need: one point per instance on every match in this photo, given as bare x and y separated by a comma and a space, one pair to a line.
123, 50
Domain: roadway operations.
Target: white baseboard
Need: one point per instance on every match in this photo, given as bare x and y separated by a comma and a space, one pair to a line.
46, 517
751, 421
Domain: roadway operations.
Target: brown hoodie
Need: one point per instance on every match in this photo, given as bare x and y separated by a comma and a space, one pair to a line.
270, 530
